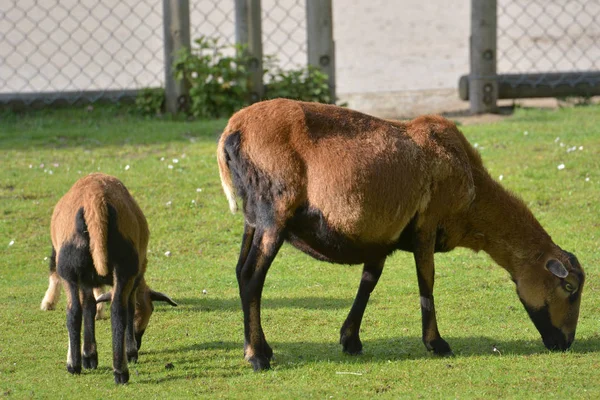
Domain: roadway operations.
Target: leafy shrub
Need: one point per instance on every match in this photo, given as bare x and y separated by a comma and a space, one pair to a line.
306, 83
218, 82
150, 101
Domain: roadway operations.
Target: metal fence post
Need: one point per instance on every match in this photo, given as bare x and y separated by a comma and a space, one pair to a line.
248, 32
176, 24
483, 86
320, 43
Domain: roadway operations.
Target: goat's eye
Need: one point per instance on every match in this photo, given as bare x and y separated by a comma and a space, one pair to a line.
570, 288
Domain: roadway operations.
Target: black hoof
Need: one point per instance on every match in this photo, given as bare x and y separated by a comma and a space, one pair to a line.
121, 377
351, 345
268, 351
260, 363
91, 361
440, 347
132, 356
74, 369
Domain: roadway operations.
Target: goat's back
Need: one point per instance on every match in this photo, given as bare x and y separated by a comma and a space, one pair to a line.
93, 194
366, 175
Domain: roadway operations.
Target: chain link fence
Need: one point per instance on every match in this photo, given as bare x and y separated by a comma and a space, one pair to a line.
84, 50
550, 42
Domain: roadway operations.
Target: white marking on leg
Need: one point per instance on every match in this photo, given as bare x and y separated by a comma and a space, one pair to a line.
69, 356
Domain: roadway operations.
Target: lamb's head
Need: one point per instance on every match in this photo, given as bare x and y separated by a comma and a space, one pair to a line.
144, 307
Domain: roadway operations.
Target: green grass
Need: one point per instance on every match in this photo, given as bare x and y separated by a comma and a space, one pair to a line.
305, 301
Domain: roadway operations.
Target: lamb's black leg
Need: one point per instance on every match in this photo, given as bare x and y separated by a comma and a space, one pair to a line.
74, 316
90, 354
118, 318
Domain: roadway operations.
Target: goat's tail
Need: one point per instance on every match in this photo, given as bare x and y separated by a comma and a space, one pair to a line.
94, 220
225, 172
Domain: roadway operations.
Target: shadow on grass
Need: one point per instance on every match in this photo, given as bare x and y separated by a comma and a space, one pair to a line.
208, 304
402, 348
294, 355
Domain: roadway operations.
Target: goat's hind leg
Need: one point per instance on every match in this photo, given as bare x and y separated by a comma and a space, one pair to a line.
251, 277
247, 239
90, 353
74, 316
349, 334
119, 310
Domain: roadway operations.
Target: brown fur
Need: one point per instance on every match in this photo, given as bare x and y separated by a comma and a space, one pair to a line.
371, 179
93, 194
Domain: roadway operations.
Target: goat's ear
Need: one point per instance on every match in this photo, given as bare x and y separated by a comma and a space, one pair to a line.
158, 296
104, 297
557, 268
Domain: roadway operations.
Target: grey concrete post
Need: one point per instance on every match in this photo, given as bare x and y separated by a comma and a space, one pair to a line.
483, 86
176, 24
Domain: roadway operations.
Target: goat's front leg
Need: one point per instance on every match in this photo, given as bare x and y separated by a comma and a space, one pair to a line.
131, 343
90, 353
74, 316
53, 292
349, 334
99, 291
424, 260
251, 279
118, 317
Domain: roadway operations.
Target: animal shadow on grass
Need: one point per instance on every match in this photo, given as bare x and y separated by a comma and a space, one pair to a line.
296, 353
209, 304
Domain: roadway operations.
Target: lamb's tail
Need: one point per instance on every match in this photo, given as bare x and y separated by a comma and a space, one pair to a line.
93, 220
225, 172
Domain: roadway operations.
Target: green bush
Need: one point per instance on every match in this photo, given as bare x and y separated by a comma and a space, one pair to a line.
305, 83
150, 101
220, 83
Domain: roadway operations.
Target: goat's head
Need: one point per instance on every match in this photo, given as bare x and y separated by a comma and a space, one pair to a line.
551, 294
143, 308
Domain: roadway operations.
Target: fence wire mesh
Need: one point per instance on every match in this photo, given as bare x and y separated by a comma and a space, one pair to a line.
284, 31
72, 50
559, 39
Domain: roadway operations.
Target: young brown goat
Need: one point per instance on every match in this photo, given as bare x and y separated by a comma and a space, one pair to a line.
100, 237
349, 188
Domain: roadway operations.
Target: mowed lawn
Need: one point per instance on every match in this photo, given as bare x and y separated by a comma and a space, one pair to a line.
551, 158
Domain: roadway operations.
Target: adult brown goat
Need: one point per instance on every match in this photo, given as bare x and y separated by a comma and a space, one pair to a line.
100, 237
349, 188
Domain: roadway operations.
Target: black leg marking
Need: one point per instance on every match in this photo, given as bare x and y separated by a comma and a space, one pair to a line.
132, 346
424, 261
349, 334
90, 354
74, 316
247, 238
118, 321
265, 246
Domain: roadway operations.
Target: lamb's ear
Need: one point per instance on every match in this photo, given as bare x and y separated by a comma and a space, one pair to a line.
557, 268
158, 296
104, 297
